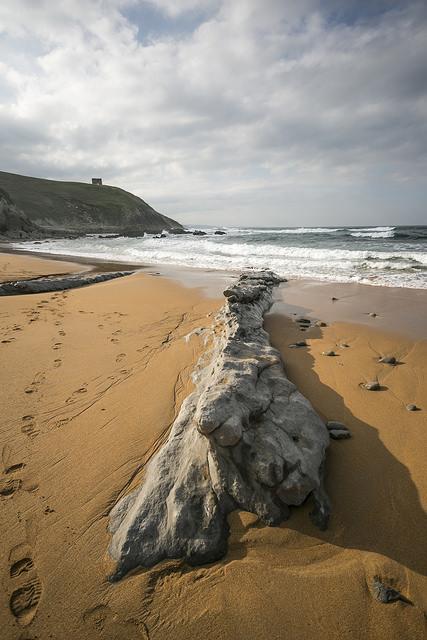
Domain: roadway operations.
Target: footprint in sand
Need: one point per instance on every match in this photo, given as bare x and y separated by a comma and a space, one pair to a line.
9, 487
62, 333
114, 340
57, 363
29, 427
102, 620
26, 585
39, 378
120, 357
57, 346
14, 467
76, 393
21, 566
57, 424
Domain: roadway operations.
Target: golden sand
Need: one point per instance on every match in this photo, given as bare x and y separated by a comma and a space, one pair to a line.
90, 381
15, 267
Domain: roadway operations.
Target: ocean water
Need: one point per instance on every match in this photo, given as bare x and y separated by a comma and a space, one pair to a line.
387, 256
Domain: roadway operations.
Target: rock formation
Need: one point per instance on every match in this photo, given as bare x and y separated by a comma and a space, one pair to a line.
14, 224
244, 439
57, 283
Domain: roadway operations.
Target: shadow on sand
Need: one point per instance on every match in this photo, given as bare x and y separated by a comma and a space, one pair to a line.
375, 503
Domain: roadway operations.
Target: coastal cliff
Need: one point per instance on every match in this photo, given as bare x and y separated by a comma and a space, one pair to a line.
14, 224
74, 208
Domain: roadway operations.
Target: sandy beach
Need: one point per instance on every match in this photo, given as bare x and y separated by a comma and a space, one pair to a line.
91, 380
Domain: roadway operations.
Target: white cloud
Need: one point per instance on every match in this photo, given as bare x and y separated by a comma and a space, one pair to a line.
177, 7
263, 105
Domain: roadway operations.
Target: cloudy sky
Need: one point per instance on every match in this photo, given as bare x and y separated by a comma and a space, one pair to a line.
267, 112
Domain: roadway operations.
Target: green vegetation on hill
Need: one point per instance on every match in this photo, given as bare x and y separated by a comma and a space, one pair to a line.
82, 208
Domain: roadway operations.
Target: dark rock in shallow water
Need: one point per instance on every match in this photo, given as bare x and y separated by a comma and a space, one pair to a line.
178, 231
388, 360
57, 283
300, 343
220, 233
373, 314
320, 323
385, 594
199, 233
244, 439
303, 321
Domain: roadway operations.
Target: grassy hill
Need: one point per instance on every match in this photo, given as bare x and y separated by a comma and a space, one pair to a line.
82, 208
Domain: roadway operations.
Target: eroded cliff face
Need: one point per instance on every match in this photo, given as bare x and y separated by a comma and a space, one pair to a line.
14, 224
244, 439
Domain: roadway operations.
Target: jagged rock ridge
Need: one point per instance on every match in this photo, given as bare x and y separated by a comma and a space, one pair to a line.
245, 438
46, 284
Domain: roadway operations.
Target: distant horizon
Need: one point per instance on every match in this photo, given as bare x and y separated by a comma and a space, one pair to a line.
302, 226
307, 111
242, 226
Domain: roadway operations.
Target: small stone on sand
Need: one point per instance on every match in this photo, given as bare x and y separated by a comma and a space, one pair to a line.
388, 360
300, 343
320, 323
338, 430
373, 385
328, 353
411, 407
373, 314
385, 594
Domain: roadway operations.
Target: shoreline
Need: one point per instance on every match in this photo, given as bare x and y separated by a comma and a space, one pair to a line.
92, 380
397, 310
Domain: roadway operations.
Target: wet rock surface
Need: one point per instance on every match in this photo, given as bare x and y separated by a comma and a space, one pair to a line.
244, 439
57, 283
338, 430
297, 345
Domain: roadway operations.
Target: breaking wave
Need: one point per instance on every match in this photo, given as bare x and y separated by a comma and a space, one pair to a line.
371, 255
